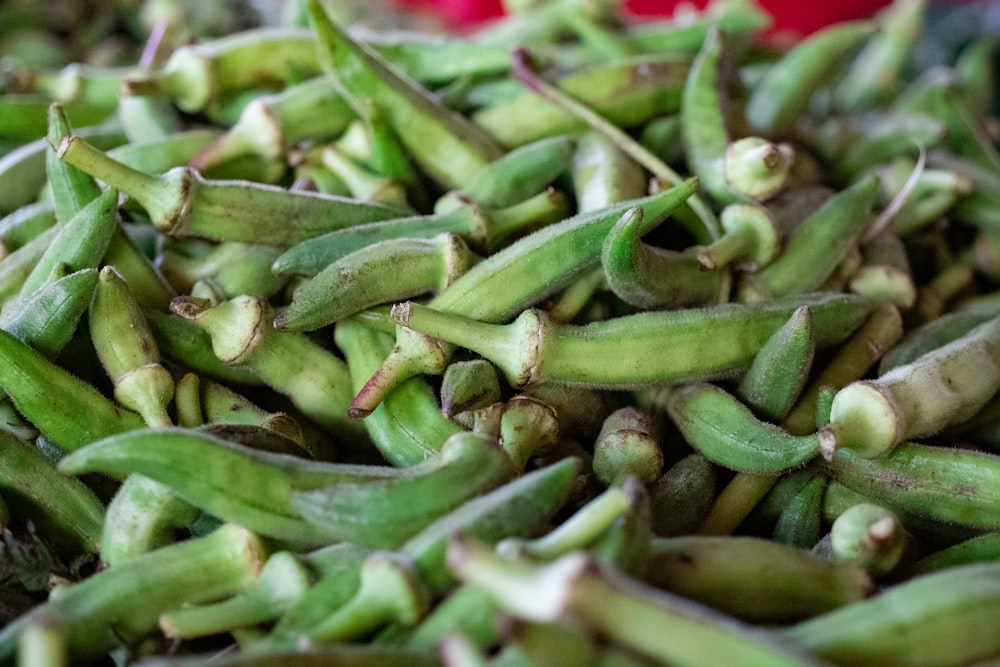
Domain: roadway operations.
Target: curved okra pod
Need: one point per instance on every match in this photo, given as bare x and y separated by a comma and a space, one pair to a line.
778, 374
653, 623
80, 243
408, 426
123, 603
68, 411
783, 94
71, 188
514, 177
945, 386
446, 145
754, 579
724, 431
532, 349
628, 445
182, 203
386, 514
201, 468
126, 348
941, 617
484, 229
380, 273
648, 277
315, 379
817, 245
948, 485
511, 279
60, 507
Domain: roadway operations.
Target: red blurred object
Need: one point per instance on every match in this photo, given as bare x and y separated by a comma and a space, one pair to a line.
792, 16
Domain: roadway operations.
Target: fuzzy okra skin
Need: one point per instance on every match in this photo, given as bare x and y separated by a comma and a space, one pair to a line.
650, 347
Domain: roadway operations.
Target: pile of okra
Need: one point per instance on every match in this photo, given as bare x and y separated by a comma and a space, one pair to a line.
570, 341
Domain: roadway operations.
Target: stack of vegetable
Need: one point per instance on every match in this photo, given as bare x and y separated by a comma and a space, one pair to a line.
568, 342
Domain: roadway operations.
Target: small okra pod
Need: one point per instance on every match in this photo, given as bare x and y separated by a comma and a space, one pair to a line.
127, 350
80, 415
383, 272
880, 331
779, 371
884, 284
386, 514
468, 385
532, 349
875, 73
750, 236
943, 618
48, 318
71, 188
514, 177
626, 91
527, 428
499, 287
800, 522
871, 536
80, 243
945, 386
123, 603
483, 229
218, 404
947, 485
143, 516
649, 277
724, 431
196, 76
448, 146
60, 507
628, 445
784, 93
200, 468
18, 265
680, 498
182, 203
817, 246
754, 579
315, 379
270, 125
408, 426
654, 623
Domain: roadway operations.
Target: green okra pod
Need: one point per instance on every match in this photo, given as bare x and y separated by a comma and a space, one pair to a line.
649, 277
945, 484
233, 267
511, 279
800, 522
628, 445
446, 145
124, 603
202, 468
533, 349
59, 506
944, 386
188, 344
468, 385
386, 514
408, 426
938, 619
656, 624
182, 203
80, 243
26, 223
18, 265
750, 238
778, 374
869, 535
379, 273
70, 412
159, 154
755, 579
48, 318
603, 174
724, 430
680, 498
784, 93
71, 188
